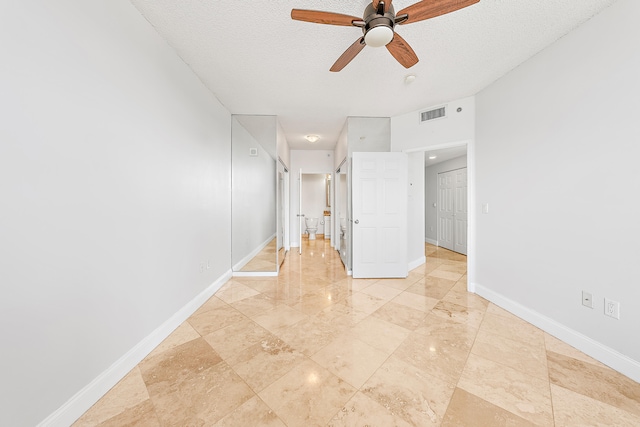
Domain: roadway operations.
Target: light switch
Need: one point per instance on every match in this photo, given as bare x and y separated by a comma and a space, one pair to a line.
485, 208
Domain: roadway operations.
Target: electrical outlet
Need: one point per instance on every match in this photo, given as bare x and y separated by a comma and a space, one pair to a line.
612, 308
587, 299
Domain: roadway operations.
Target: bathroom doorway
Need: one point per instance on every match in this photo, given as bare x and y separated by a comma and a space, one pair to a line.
315, 206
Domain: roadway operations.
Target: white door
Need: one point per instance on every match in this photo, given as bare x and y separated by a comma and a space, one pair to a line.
452, 210
379, 201
460, 211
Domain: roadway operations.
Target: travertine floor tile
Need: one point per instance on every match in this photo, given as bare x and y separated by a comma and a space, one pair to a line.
311, 334
351, 359
529, 359
141, 415
402, 284
255, 305
183, 333
266, 361
380, 334
575, 409
309, 395
467, 410
415, 301
323, 349
127, 394
513, 328
234, 291
519, 393
433, 287
401, 315
436, 353
341, 315
230, 341
458, 313
213, 315
459, 295
441, 273
381, 291
364, 411
254, 412
409, 393
280, 317
555, 345
594, 381
182, 380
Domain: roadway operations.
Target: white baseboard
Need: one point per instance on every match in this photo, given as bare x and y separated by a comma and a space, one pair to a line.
238, 266
595, 349
68, 413
255, 273
433, 242
417, 263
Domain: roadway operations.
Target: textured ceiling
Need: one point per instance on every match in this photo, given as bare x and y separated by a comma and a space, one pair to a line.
257, 60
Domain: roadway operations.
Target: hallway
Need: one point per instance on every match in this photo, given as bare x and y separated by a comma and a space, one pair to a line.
314, 347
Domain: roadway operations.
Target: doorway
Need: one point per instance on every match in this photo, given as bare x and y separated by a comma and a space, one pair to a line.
315, 209
446, 198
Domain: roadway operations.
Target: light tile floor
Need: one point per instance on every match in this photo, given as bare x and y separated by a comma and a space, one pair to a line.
314, 347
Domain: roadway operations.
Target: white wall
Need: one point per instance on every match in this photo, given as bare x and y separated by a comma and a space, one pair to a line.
369, 134
254, 198
557, 160
115, 183
431, 194
341, 150
310, 161
407, 133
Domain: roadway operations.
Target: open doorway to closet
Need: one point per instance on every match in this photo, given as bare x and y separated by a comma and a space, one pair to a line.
446, 195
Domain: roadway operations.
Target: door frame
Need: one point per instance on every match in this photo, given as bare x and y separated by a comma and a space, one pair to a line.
471, 201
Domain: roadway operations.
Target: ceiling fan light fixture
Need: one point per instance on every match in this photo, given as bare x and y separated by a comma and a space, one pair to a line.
378, 36
312, 138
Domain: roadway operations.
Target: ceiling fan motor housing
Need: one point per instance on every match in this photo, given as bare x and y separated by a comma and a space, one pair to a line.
378, 28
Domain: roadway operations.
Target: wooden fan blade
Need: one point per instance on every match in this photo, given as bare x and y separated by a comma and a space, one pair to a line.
387, 5
400, 49
323, 17
431, 8
348, 55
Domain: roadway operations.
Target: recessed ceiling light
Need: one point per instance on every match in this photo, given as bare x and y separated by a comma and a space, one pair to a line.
410, 78
432, 157
312, 138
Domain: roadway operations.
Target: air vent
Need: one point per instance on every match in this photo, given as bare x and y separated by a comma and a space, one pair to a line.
425, 116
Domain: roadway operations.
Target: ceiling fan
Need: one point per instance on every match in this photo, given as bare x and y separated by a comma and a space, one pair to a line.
378, 23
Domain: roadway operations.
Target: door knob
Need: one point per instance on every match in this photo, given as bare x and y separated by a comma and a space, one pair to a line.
357, 222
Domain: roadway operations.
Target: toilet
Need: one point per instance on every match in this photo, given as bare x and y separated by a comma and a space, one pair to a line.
343, 227
312, 227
